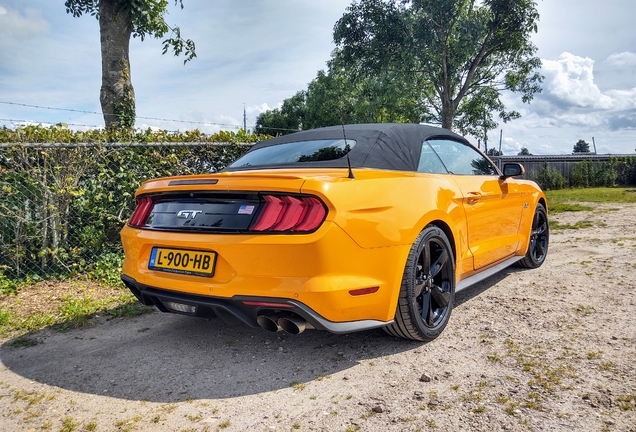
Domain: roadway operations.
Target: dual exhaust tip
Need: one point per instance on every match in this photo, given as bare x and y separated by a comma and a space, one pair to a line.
290, 323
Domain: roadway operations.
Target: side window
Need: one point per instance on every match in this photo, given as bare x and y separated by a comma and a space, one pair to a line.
429, 161
460, 158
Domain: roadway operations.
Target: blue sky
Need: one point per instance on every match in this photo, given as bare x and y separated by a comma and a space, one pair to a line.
259, 52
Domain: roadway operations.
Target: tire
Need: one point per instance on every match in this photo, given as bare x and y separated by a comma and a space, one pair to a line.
427, 292
539, 240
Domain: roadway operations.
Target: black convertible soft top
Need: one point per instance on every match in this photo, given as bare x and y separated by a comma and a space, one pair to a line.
390, 146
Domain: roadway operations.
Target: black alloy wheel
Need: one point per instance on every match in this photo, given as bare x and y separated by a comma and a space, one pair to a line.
428, 288
539, 240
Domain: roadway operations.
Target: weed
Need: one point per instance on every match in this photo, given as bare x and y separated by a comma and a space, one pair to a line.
75, 312
5, 317
494, 357
296, 425
30, 397
626, 402
367, 415
298, 385
23, 342
224, 424
533, 402
585, 310
512, 408
129, 307
68, 425
608, 366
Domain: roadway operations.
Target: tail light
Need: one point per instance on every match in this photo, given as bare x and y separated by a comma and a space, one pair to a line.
139, 216
287, 213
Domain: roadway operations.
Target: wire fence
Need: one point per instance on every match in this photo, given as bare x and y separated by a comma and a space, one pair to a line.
62, 205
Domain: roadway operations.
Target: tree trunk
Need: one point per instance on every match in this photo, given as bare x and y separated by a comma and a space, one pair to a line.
448, 115
117, 95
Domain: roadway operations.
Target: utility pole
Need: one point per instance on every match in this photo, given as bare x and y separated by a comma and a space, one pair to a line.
500, 135
244, 118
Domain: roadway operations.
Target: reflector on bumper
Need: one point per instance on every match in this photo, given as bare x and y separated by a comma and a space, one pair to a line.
180, 307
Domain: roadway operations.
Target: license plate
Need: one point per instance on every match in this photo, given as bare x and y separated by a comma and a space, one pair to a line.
182, 261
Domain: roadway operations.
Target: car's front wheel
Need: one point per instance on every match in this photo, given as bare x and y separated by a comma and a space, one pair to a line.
428, 288
539, 240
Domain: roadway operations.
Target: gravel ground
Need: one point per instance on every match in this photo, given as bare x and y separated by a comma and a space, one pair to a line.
547, 349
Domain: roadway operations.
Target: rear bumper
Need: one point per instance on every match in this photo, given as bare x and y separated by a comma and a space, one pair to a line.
241, 308
318, 271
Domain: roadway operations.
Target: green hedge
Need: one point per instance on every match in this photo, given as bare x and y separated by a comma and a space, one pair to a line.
62, 206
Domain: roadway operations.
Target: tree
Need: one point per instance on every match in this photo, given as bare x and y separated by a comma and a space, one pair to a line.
339, 96
524, 152
118, 21
494, 152
463, 53
581, 147
287, 119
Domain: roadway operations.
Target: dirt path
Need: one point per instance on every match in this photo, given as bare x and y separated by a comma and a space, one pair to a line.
547, 349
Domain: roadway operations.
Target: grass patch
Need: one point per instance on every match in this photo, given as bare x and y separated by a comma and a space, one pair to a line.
556, 225
23, 314
559, 207
23, 342
563, 200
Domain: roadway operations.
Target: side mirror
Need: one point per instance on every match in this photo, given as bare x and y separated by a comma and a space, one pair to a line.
512, 170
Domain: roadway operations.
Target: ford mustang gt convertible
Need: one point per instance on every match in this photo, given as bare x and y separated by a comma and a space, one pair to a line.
341, 229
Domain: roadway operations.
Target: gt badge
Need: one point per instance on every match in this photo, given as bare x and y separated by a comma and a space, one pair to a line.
188, 214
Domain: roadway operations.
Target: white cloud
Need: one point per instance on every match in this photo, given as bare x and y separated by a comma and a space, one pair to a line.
572, 98
258, 109
21, 26
570, 80
622, 59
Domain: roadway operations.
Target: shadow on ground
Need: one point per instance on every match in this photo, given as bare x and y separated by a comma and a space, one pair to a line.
171, 358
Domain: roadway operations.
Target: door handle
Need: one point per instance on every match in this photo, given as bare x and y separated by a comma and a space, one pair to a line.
472, 197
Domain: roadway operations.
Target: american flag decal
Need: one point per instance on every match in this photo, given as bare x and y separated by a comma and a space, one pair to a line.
246, 209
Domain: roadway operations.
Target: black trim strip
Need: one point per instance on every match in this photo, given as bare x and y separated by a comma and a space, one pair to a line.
193, 182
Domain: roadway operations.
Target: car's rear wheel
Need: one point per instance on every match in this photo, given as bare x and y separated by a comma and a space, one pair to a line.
539, 239
428, 288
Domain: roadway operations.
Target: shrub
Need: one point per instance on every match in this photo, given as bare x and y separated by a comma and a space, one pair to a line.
550, 179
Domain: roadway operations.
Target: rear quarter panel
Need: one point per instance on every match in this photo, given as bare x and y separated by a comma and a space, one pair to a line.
384, 208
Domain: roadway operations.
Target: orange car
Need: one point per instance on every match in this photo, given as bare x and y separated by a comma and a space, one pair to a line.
341, 229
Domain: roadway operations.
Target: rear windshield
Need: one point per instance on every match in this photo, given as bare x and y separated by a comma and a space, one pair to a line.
295, 152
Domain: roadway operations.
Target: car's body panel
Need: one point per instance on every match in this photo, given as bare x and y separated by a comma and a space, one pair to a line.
350, 268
